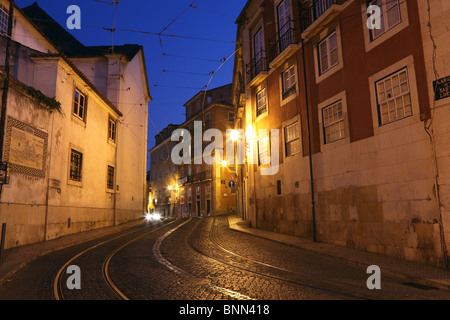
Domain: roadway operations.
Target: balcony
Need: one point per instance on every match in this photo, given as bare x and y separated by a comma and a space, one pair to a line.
257, 69
283, 46
318, 16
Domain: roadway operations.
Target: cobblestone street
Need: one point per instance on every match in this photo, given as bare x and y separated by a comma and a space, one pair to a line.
200, 259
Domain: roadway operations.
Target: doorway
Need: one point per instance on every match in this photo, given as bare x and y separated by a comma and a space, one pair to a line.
198, 208
208, 207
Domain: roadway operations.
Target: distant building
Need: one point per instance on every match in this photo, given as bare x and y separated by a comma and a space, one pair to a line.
163, 175
195, 189
76, 131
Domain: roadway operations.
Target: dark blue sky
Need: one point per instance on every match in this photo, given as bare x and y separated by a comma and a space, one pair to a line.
184, 77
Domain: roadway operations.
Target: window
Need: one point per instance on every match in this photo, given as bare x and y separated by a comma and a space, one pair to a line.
207, 120
208, 188
284, 14
288, 82
79, 105
112, 124
261, 102
328, 53
333, 122
198, 190
258, 51
393, 97
291, 137
263, 149
231, 117
4, 16
110, 178
76, 162
278, 187
390, 16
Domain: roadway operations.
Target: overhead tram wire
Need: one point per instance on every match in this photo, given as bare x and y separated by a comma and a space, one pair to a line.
194, 58
214, 12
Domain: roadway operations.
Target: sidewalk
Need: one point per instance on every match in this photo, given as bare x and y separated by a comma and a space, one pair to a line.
408, 270
16, 258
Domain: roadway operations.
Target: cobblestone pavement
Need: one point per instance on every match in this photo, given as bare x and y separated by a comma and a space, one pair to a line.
203, 259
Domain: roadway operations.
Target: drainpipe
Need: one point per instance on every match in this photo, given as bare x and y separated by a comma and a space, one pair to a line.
313, 213
438, 205
48, 180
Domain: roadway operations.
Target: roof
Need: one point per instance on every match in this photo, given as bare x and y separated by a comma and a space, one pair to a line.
68, 44
82, 76
209, 91
70, 47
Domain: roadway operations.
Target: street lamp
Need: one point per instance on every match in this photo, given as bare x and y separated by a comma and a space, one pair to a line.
234, 135
224, 163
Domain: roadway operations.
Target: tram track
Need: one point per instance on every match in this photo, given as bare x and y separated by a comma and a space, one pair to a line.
58, 291
238, 261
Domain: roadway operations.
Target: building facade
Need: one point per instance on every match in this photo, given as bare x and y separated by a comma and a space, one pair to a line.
350, 103
163, 175
81, 166
193, 187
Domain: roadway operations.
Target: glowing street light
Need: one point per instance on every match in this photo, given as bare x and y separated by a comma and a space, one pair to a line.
234, 135
224, 163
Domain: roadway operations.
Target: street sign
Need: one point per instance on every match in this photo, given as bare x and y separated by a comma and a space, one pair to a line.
231, 184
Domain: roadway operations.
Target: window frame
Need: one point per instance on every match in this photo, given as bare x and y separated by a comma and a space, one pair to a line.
4, 20
110, 184
326, 145
262, 136
371, 43
292, 90
265, 107
394, 97
326, 40
384, 19
76, 112
233, 117
333, 123
287, 17
294, 123
415, 118
78, 178
112, 130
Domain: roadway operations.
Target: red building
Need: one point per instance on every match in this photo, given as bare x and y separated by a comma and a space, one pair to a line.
350, 102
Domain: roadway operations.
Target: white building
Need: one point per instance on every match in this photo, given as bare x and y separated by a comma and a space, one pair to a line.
83, 167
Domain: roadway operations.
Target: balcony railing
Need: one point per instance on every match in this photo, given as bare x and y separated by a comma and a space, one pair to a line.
256, 66
314, 11
284, 38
